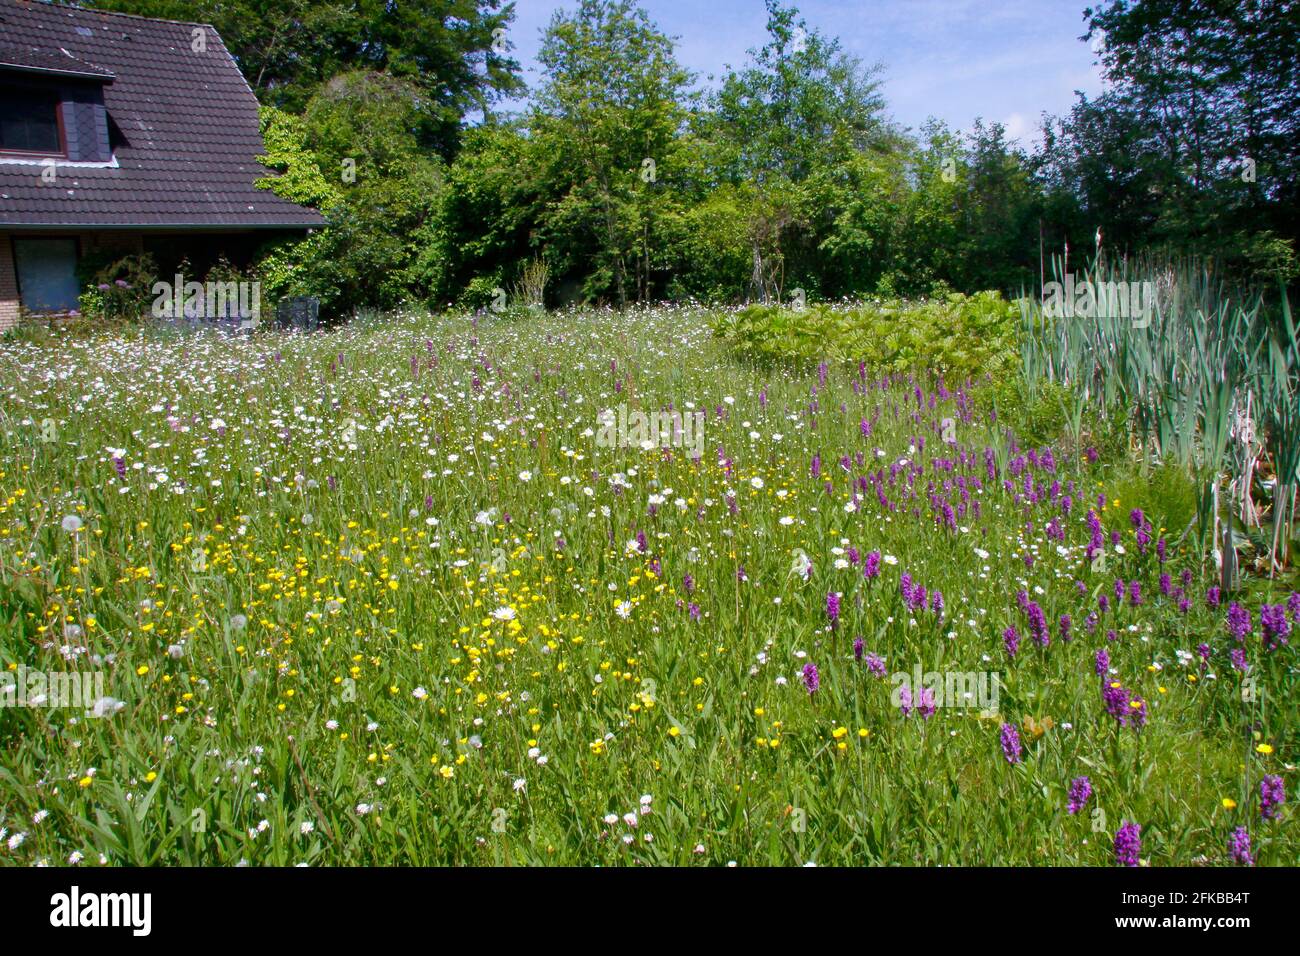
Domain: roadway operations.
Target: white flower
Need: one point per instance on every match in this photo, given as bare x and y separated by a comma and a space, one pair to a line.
624, 609
525, 475
756, 483
71, 524
802, 564
504, 614
106, 707
306, 827
419, 693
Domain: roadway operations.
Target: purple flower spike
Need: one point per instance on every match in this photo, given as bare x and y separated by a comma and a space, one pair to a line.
875, 665
811, 679
1128, 844
1080, 791
1272, 794
1011, 748
1239, 847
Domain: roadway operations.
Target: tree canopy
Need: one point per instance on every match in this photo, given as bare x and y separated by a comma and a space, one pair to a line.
631, 182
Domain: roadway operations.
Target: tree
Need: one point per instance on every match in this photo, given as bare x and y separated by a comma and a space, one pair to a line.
789, 129
454, 51
488, 218
380, 190
1199, 132
609, 111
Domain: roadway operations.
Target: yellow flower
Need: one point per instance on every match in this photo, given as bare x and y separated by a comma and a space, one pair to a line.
142, 670
1265, 749
839, 732
150, 777
674, 731
84, 782
1229, 803
447, 772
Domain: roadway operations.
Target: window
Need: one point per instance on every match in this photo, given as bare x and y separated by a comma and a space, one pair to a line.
47, 274
29, 121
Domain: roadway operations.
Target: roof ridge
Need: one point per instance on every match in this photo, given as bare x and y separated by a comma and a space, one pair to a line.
108, 13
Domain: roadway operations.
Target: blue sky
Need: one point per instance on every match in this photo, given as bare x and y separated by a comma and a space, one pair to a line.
1004, 60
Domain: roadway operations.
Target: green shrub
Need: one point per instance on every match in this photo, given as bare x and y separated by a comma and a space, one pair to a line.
959, 336
119, 290
1166, 493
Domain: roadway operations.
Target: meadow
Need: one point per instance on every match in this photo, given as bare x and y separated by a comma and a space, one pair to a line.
388, 594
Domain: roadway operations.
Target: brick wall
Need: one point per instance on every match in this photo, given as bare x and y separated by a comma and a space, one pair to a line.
8, 284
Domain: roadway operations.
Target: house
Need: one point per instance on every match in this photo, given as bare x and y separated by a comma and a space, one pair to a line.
122, 135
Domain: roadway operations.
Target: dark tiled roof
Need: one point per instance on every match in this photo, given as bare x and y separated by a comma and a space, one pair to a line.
186, 137
31, 59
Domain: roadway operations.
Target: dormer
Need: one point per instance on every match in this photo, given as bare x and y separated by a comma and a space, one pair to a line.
52, 107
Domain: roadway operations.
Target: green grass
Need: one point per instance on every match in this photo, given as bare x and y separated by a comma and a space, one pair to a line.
348, 537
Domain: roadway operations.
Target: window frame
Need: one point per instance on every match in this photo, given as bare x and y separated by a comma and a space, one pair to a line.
57, 100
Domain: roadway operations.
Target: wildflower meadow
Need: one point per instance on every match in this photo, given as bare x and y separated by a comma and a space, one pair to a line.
597, 587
